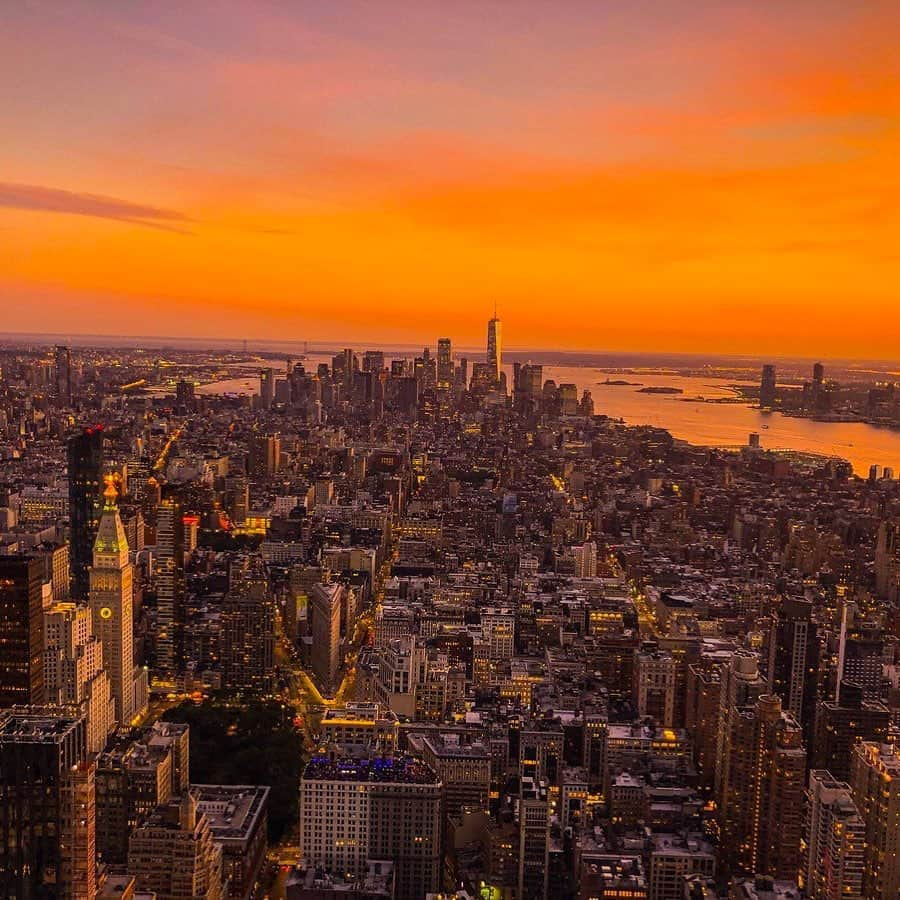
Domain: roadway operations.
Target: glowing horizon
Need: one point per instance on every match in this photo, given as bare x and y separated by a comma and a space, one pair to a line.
669, 177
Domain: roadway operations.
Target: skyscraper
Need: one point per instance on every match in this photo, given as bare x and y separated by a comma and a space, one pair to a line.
248, 633
875, 785
887, 560
767, 387
73, 670
264, 455
169, 587
794, 658
63, 372
835, 840
444, 363
534, 840
85, 463
842, 723
111, 601
21, 631
266, 388
762, 820
739, 686
586, 560
47, 815
325, 612
495, 348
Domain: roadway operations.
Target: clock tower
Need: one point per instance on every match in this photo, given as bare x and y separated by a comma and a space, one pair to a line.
112, 603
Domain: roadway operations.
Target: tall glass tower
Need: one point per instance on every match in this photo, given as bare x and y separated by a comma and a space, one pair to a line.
495, 347
85, 463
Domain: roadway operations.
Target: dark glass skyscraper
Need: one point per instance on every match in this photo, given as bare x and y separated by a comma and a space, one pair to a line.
767, 387
170, 587
794, 661
495, 348
21, 631
47, 825
444, 363
85, 459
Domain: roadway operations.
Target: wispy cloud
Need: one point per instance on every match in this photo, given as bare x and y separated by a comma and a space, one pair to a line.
45, 199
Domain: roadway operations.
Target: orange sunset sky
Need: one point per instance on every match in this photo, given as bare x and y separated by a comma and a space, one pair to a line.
616, 175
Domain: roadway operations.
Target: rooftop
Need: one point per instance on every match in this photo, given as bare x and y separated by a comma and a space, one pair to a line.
385, 769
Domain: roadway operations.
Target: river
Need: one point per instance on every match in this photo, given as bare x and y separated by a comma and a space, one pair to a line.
728, 424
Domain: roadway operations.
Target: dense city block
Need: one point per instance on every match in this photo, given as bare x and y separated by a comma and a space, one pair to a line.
394, 627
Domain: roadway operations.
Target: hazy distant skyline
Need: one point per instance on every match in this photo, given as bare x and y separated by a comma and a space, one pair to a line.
665, 176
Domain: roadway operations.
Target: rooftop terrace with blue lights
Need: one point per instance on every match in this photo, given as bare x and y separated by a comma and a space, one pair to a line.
395, 769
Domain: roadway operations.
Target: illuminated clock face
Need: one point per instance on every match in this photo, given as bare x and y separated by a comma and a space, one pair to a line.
105, 613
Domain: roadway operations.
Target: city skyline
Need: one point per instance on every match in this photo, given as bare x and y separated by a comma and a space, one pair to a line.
617, 179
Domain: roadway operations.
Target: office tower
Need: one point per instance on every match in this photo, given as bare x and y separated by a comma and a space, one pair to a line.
362, 390
815, 394
407, 395
390, 810
237, 498
463, 768
841, 724
325, 612
21, 631
174, 855
445, 369
176, 737
767, 387
133, 778
498, 629
529, 382
703, 688
534, 840
73, 670
248, 633
373, 361
343, 365
655, 681
85, 466
55, 558
62, 358
283, 391
794, 661
462, 374
818, 375
169, 587
875, 786
47, 809
185, 394
596, 736
761, 822
860, 653
111, 601
495, 349
541, 753
862, 659
740, 685
401, 666
835, 840
266, 388
567, 395
586, 560
264, 455
887, 561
